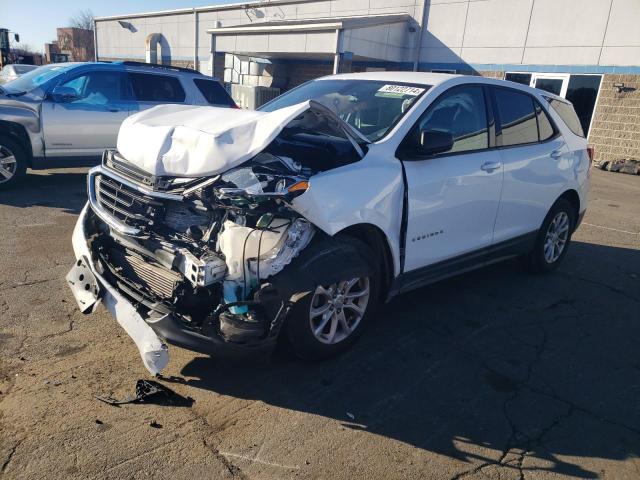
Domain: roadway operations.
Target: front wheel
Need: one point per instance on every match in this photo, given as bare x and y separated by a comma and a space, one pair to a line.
13, 163
330, 317
553, 238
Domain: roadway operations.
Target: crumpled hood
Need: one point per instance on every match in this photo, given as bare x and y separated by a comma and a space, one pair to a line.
195, 141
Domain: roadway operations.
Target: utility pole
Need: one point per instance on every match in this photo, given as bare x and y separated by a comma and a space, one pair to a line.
4, 47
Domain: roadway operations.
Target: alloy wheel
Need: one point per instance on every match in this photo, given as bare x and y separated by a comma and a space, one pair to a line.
8, 164
337, 310
556, 238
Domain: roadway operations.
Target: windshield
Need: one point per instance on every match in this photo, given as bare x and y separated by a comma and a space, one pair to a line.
371, 107
35, 78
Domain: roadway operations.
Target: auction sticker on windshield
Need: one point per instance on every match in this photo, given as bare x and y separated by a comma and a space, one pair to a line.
401, 90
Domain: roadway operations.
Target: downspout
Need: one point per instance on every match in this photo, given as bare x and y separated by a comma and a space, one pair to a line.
416, 61
336, 58
95, 41
195, 39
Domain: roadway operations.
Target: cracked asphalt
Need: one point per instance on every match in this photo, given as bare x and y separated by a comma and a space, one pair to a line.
496, 374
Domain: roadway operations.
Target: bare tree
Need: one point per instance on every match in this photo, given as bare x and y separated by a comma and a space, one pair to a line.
82, 19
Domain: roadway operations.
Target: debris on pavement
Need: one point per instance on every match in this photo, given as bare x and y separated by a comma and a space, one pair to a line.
630, 166
148, 391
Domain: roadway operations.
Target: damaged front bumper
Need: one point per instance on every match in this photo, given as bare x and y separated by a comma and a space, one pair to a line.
151, 329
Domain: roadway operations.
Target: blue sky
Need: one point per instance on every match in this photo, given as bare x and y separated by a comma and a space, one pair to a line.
36, 20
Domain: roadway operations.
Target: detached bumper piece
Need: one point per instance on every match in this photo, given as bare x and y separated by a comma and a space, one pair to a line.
84, 286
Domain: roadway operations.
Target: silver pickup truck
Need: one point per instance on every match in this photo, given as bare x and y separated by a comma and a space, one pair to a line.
67, 115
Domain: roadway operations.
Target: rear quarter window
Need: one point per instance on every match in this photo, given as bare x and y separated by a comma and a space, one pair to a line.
213, 92
567, 114
149, 87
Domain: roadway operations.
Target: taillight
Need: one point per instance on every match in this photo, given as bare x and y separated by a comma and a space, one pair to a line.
591, 151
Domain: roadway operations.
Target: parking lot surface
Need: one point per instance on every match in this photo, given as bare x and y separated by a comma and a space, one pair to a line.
496, 374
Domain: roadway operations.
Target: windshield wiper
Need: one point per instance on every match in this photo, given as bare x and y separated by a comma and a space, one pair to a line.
15, 94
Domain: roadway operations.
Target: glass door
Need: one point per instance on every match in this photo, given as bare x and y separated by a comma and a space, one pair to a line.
552, 83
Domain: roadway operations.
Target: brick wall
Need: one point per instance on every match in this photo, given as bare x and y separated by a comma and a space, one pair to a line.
615, 131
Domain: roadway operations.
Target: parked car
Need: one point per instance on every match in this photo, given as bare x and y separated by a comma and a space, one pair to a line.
66, 115
218, 231
11, 72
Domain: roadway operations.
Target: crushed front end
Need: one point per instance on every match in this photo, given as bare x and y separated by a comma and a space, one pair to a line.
191, 257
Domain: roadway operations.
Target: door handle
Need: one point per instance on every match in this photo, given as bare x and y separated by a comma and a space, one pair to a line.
556, 154
114, 110
490, 166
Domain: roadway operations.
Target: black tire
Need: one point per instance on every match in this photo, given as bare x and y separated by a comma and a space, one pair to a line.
9, 147
361, 264
535, 260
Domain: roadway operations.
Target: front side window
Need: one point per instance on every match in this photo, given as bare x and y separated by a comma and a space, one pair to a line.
517, 117
99, 88
462, 113
371, 107
148, 87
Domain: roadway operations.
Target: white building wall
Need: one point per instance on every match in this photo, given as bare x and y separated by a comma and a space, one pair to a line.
539, 32
114, 41
478, 32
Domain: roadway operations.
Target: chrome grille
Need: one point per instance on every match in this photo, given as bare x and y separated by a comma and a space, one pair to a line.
127, 205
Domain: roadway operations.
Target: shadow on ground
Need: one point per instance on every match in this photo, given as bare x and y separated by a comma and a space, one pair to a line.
539, 368
57, 189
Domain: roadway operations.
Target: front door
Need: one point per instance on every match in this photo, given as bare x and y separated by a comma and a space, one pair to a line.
453, 197
89, 124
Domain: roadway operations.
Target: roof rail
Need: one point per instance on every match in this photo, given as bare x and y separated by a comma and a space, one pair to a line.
165, 67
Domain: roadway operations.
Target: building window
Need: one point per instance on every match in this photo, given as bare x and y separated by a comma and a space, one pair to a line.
522, 78
582, 91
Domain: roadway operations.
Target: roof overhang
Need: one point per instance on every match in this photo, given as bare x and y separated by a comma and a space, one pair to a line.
319, 24
379, 37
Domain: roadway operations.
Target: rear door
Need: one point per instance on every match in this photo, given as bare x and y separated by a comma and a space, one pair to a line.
151, 89
453, 197
88, 125
536, 167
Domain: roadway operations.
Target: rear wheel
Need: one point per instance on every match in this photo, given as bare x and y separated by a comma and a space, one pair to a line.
13, 163
329, 318
553, 238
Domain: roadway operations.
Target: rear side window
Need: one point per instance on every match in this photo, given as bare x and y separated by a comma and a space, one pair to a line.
213, 92
156, 88
568, 115
517, 116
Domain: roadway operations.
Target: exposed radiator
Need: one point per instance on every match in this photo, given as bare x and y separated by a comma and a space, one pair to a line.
158, 280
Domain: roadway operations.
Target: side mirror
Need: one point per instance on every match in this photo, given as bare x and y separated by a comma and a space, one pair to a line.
63, 94
432, 142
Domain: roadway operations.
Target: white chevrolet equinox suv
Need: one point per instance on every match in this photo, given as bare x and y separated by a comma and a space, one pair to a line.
219, 230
